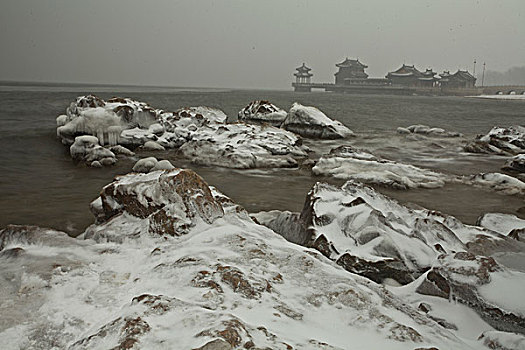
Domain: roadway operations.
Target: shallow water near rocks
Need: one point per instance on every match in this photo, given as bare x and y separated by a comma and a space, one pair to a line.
40, 185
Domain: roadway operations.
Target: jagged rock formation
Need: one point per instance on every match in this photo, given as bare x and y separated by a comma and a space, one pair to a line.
500, 140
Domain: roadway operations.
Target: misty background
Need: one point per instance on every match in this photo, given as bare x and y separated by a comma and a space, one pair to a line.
254, 44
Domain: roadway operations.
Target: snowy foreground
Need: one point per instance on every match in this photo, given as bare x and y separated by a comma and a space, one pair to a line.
172, 263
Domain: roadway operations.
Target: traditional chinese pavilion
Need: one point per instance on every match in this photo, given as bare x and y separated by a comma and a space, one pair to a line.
412, 77
350, 71
460, 79
303, 75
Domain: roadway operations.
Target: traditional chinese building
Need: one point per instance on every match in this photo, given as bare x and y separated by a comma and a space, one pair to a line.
350, 72
303, 75
412, 77
459, 80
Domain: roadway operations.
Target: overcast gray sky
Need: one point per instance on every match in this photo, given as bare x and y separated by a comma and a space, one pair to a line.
250, 44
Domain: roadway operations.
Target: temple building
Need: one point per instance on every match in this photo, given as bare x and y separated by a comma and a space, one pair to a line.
303, 75
460, 79
350, 72
412, 77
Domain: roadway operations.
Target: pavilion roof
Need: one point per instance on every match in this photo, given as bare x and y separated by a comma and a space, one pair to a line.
351, 63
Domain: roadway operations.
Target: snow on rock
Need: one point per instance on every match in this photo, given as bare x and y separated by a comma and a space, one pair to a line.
427, 130
171, 201
497, 340
228, 283
516, 163
505, 184
372, 235
144, 165
244, 146
86, 148
505, 224
482, 284
346, 162
500, 140
311, 122
152, 146
261, 111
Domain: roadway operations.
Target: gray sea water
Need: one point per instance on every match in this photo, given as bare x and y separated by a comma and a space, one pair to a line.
40, 185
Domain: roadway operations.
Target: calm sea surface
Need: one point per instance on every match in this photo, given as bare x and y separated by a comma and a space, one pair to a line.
40, 185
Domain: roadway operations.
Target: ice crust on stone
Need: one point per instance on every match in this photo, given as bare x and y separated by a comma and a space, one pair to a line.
260, 111
427, 130
311, 122
86, 148
516, 163
226, 281
503, 183
201, 133
346, 162
244, 146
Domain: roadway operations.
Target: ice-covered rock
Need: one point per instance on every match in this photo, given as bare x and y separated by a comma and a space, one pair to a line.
86, 148
482, 284
163, 165
516, 163
427, 130
244, 146
260, 111
144, 165
503, 183
346, 162
152, 146
311, 122
500, 140
228, 283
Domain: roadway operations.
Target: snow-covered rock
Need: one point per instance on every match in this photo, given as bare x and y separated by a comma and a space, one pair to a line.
144, 165
498, 340
516, 163
244, 146
152, 146
503, 183
500, 140
171, 201
506, 224
427, 130
86, 148
311, 122
228, 283
260, 111
481, 283
346, 162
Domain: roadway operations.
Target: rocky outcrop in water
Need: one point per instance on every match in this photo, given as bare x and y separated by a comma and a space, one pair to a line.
262, 112
244, 146
500, 140
428, 131
347, 162
311, 122
201, 134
